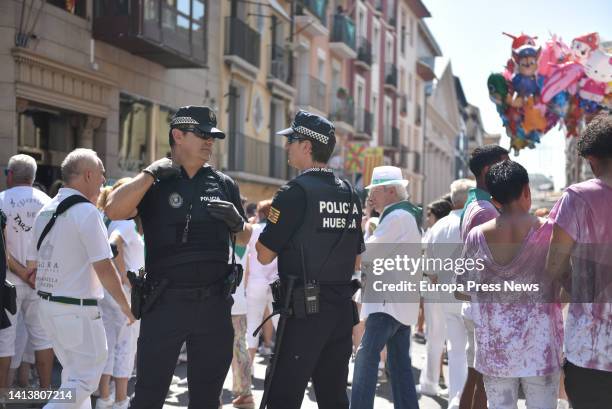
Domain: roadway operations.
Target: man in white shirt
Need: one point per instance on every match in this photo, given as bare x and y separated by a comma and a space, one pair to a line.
445, 242
73, 265
388, 323
21, 202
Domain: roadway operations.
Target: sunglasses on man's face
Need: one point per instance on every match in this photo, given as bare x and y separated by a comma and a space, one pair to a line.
294, 138
198, 133
6, 171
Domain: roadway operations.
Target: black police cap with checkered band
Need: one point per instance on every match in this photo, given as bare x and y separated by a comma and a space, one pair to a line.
311, 126
202, 118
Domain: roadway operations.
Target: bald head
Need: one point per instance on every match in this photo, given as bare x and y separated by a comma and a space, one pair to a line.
78, 161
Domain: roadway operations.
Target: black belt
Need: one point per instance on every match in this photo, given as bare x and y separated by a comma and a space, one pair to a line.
194, 293
88, 302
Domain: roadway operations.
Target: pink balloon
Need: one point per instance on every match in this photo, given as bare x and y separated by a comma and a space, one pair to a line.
563, 77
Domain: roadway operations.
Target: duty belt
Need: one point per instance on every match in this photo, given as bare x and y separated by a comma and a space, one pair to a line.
194, 293
68, 300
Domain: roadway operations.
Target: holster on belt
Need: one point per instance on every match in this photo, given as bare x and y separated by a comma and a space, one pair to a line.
233, 279
144, 292
138, 283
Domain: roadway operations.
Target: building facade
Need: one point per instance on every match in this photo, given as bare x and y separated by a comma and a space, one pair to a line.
443, 127
258, 91
106, 75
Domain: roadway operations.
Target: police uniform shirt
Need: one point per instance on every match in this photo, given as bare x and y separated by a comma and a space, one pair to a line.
194, 252
287, 215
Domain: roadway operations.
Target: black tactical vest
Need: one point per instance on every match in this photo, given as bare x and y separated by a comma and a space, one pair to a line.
327, 206
168, 242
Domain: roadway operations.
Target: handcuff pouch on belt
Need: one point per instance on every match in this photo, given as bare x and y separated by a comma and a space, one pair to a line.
144, 292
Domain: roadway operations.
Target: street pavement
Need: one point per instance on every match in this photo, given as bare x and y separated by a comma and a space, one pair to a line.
178, 395
178, 398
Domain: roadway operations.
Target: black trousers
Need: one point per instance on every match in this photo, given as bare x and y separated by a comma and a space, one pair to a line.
588, 388
317, 347
205, 324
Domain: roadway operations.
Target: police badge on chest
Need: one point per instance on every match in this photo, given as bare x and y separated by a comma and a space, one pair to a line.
175, 200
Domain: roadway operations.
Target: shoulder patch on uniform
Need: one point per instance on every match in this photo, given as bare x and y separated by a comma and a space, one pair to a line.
274, 215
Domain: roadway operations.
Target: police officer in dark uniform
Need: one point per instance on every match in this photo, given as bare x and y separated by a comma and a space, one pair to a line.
314, 227
188, 212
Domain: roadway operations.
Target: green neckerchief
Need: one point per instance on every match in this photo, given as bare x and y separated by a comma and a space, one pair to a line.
475, 194
240, 250
415, 211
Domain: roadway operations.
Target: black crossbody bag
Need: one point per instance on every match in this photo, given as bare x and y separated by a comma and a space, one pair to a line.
9, 292
64, 205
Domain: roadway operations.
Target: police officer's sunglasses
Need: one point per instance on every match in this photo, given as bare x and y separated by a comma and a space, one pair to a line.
6, 171
197, 132
295, 138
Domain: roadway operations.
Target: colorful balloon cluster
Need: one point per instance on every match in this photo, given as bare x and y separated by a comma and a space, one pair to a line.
545, 86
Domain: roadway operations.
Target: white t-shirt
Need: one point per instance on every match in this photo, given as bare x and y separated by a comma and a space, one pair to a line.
443, 242
78, 239
260, 273
399, 226
134, 245
21, 204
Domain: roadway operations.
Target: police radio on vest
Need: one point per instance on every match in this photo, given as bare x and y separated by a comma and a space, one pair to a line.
336, 207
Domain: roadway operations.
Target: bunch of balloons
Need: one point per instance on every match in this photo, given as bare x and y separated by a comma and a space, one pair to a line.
543, 86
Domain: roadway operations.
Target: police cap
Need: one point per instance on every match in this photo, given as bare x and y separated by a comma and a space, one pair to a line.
311, 126
197, 119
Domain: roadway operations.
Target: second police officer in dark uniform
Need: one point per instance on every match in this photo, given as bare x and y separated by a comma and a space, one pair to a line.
188, 211
306, 230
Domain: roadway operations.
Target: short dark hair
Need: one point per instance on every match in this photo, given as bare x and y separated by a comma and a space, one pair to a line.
596, 140
484, 156
506, 180
440, 208
321, 152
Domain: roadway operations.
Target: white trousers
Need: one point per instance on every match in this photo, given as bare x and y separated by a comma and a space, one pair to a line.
540, 391
119, 339
78, 339
456, 334
27, 315
435, 332
258, 296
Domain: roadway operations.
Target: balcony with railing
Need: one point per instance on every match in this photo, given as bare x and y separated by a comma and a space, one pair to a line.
378, 5
342, 113
403, 156
404, 104
342, 39
242, 45
247, 154
363, 123
391, 137
390, 15
278, 76
172, 35
312, 93
311, 17
416, 162
279, 168
395, 138
390, 76
364, 53
418, 115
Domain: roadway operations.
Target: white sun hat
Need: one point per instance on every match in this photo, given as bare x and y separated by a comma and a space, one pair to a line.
387, 175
